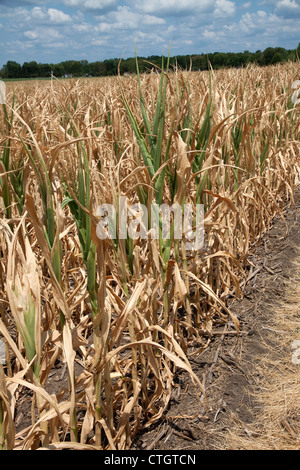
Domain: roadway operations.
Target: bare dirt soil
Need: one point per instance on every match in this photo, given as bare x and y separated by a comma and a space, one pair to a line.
236, 372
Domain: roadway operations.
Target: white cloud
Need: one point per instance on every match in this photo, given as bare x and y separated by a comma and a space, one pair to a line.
151, 20
91, 4
99, 29
224, 8
288, 8
287, 4
259, 30
98, 42
209, 34
124, 18
35, 15
103, 27
82, 27
31, 34
23, 3
43, 34
14, 47
14, 13
148, 38
251, 22
171, 7
57, 16
38, 13
185, 8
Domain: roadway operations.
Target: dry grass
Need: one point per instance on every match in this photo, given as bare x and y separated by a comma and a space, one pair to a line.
129, 310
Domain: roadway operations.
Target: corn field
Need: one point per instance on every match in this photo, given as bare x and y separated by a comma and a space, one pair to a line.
122, 316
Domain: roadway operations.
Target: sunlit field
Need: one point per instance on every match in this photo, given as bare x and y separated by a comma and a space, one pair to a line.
116, 318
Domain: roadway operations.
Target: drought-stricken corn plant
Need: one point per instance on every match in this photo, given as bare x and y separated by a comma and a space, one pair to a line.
123, 314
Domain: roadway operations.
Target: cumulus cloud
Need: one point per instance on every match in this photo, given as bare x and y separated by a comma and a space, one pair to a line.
288, 8
16, 3
259, 30
82, 27
171, 7
92, 4
31, 34
57, 16
98, 42
99, 29
209, 34
38, 13
43, 34
124, 18
224, 8
205, 10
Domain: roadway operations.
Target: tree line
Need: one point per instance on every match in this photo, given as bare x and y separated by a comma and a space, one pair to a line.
81, 68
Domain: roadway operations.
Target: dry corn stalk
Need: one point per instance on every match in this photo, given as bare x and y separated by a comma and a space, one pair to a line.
128, 310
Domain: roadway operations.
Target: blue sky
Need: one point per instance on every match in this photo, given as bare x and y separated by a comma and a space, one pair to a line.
56, 30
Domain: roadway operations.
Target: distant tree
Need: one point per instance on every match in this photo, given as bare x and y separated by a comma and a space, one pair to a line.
256, 57
12, 69
183, 61
85, 67
30, 69
73, 67
33, 68
273, 55
111, 66
97, 69
25, 70
246, 58
131, 65
58, 70
128, 66
277, 57
219, 59
280, 55
202, 61
233, 60
45, 70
